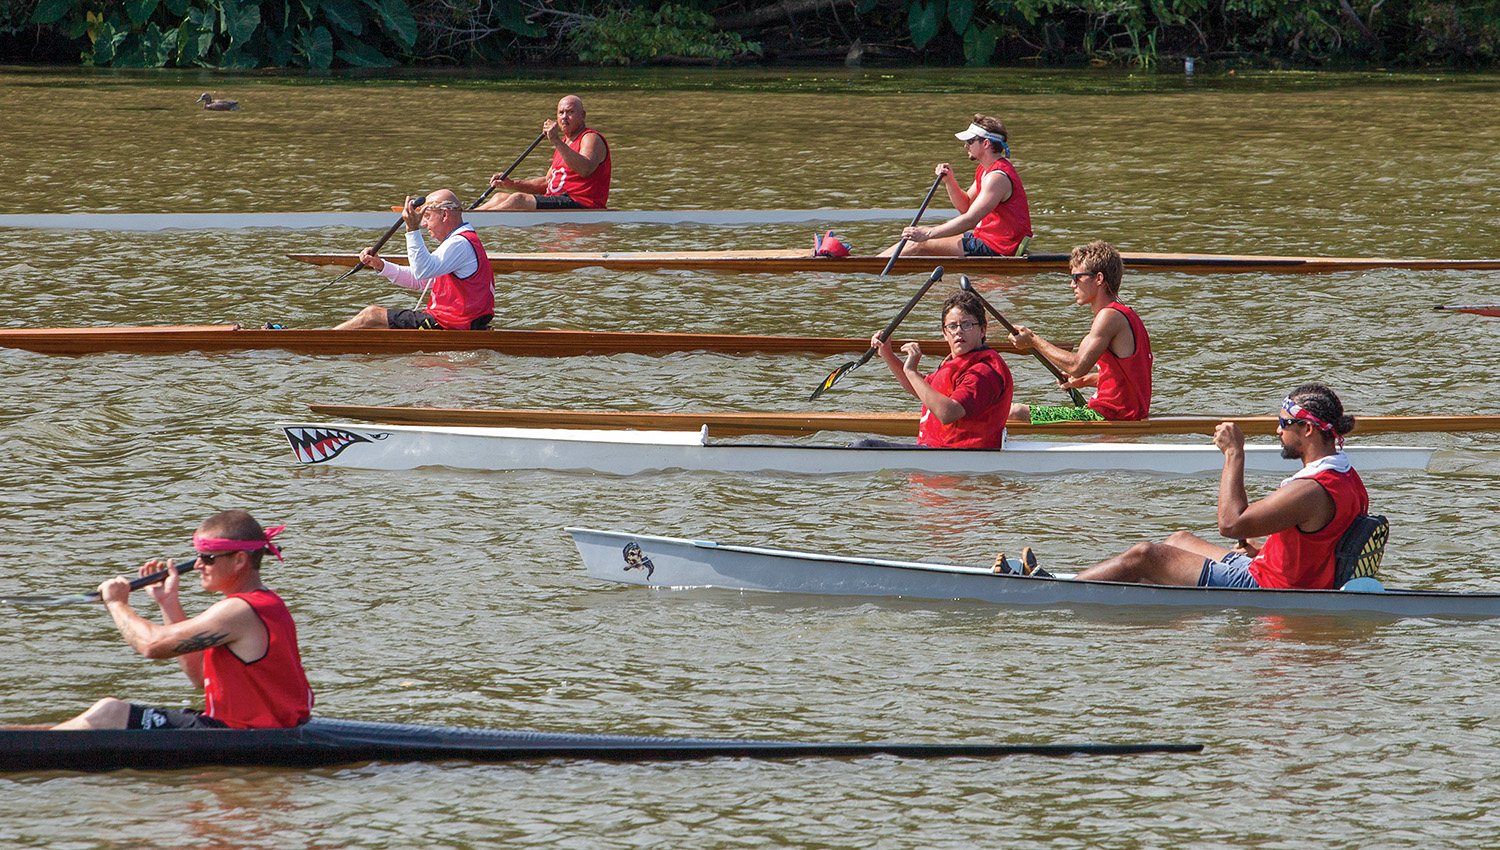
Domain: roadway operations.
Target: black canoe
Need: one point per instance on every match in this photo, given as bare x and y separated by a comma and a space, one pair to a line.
323, 742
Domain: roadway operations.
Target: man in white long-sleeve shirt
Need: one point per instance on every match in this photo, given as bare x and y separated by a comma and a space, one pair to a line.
458, 272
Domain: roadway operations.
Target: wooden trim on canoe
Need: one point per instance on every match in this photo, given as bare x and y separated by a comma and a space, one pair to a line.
730, 424
517, 343
788, 261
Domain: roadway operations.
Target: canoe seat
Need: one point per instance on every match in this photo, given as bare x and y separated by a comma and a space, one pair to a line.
1361, 549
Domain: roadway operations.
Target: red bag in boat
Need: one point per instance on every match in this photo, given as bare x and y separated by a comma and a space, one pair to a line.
828, 245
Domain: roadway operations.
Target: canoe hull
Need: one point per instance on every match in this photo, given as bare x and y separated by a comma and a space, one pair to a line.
396, 447
322, 742
518, 343
791, 262
669, 562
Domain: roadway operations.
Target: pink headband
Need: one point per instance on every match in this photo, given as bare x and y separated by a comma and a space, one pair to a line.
1296, 411
224, 544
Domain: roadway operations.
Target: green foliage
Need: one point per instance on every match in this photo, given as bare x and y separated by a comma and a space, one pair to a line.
629, 35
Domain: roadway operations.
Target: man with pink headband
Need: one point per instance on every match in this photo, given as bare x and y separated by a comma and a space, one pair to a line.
1304, 518
242, 651
994, 219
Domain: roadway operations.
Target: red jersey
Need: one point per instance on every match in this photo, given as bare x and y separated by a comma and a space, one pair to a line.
980, 381
457, 302
1293, 558
268, 693
1125, 384
1010, 222
591, 191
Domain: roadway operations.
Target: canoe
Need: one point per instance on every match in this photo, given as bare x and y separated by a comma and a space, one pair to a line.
1476, 309
382, 220
731, 424
786, 262
518, 343
324, 742
392, 447
671, 562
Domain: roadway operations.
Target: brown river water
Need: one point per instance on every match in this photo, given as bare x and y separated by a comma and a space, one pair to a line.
442, 596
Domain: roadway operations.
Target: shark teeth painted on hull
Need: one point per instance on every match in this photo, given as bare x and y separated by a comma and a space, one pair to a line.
317, 445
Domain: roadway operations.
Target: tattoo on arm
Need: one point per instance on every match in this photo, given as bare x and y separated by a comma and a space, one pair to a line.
200, 642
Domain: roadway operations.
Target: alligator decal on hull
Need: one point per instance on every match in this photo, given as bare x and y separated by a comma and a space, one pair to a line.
317, 445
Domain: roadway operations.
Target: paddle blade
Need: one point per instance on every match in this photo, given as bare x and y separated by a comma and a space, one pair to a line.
49, 601
833, 378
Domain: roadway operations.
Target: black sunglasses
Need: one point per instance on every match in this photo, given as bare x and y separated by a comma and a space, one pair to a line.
208, 557
1287, 423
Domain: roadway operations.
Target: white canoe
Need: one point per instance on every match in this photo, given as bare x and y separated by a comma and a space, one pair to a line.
671, 562
380, 220
632, 452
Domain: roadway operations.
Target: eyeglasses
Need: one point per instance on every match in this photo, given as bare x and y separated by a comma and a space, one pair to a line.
955, 327
1283, 422
439, 207
208, 557
1077, 275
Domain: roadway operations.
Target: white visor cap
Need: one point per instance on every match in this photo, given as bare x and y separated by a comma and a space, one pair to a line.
977, 132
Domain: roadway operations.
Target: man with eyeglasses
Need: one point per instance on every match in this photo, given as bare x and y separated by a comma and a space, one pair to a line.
242, 651
458, 272
966, 399
1117, 343
994, 219
580, 172
1302, 520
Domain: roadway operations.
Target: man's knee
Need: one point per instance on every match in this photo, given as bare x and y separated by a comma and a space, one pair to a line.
1182, 539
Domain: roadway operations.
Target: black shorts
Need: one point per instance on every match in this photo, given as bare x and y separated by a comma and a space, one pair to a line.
148, 717
417, 320
557, 202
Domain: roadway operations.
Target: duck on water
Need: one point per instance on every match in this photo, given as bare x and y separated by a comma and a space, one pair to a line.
217, 105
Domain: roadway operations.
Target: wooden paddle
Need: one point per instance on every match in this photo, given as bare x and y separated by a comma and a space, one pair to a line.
506, 173
937, 275
378, 245
1075, 395
135, 584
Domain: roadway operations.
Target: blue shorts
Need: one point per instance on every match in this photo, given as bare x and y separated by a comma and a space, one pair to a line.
418, 320
1232, 570
975, 248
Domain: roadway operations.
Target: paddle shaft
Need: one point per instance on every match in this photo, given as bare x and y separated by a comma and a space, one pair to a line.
1075, 395
506, 173
135, 584
828, 382
918, 217
378, 245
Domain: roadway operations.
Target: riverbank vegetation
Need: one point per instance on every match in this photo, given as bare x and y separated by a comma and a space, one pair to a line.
324, 34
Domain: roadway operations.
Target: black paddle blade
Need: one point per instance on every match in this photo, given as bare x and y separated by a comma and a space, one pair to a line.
833, 378
184, 566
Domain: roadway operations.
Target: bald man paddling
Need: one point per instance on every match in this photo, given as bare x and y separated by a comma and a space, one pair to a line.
458, 272
580, 172
242, 651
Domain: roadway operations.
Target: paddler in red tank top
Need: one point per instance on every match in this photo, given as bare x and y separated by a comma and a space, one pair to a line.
966, 399
242, 651
457, 272
580, 173
1304, 518
1117, 342
994, 218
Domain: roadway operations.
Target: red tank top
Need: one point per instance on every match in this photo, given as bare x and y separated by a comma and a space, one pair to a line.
1293, 558
591, 191
269, 693
457, 302
1125, 384
1010, 222
980, 381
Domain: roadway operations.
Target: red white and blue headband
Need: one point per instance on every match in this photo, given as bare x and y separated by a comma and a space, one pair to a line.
214, 545
1293, 410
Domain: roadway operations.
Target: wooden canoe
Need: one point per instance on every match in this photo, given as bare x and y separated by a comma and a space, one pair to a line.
730, 424
784, 262
1476, 309
490, 218
517, 343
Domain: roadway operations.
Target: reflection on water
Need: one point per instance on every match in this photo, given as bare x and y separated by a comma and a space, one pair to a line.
439, 596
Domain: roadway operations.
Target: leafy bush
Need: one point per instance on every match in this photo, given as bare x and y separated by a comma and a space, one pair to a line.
631, 34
